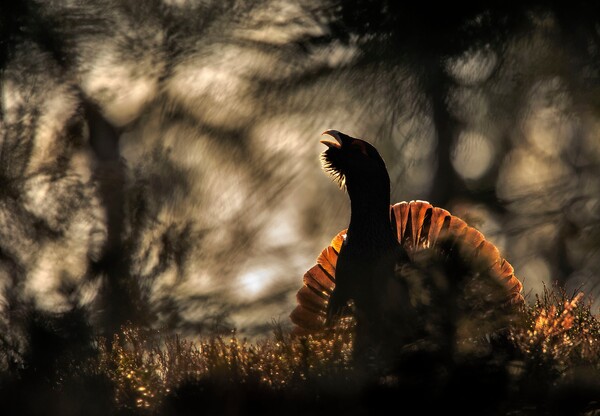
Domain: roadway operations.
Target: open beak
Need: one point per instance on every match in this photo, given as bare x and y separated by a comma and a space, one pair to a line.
337, 143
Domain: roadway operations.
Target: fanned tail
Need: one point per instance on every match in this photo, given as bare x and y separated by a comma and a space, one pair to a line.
319, 282
418, 225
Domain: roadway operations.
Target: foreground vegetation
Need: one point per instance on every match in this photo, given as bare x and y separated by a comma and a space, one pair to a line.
547, 361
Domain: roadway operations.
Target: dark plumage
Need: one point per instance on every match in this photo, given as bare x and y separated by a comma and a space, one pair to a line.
370, 250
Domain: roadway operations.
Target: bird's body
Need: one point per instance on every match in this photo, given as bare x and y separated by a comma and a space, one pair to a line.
362, 263
361, 274
370, 250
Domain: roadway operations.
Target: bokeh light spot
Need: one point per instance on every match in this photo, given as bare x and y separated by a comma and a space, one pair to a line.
473, 155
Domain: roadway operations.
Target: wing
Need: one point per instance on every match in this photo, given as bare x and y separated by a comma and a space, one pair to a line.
418, 225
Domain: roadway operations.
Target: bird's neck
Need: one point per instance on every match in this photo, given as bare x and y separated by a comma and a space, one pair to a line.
370, 227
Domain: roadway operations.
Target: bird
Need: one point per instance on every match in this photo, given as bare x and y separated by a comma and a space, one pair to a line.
363, 263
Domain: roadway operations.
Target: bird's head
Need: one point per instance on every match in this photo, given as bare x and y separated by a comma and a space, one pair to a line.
353, 162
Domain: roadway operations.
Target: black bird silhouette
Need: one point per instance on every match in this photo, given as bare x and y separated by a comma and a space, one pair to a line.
362, 263
370, 250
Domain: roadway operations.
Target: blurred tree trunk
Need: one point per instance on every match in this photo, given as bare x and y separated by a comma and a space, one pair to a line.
446, 182
120, 295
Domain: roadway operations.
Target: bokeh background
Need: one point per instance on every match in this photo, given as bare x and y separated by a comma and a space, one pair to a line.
159, 160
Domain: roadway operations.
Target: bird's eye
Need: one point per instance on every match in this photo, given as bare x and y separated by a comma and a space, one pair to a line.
360, 146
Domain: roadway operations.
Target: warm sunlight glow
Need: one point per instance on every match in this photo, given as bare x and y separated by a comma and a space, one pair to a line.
538, 274
252, 283
473, 67
473, 155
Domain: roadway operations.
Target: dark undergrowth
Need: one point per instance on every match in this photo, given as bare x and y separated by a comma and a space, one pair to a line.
545, 361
